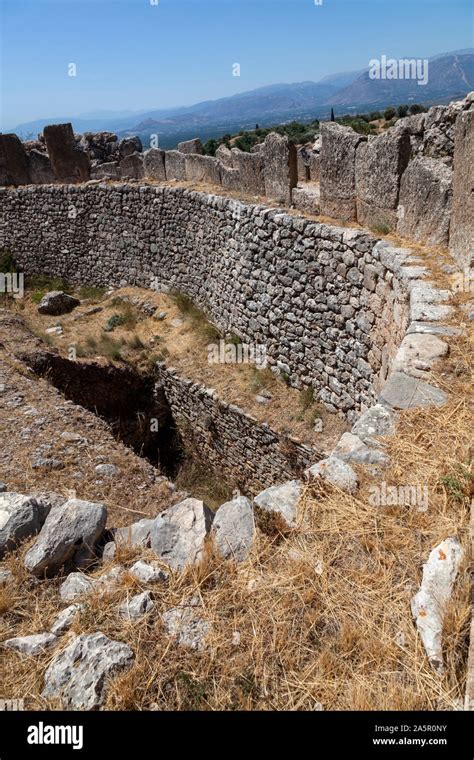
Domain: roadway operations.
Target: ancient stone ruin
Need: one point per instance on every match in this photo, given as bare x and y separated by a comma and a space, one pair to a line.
259, 243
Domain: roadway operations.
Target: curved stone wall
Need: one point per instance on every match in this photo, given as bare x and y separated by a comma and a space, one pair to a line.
330, 304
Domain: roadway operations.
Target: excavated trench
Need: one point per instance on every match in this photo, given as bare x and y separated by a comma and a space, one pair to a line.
130, 402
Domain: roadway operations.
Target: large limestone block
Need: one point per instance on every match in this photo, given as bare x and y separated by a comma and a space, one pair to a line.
337, 170
40, 169
154, 163
233, 529
175, 165
461, 235
67, 538
131, 167
20, 517
380, 164
281, 500
230, 178
70, 163
179, 533
191, 146
424, 209
250, 167
203, 169
79, 674
13, 161
281, 167
429, 605
224, 155
307, 199
130, 145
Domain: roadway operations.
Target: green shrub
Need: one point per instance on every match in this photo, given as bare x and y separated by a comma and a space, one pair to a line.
89, 291
114, 321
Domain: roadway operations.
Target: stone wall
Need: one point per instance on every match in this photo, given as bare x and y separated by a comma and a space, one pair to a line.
227, 438
327, 302
402, 180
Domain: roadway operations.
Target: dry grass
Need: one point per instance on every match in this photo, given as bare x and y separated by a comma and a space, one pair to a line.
323, 613
143, 340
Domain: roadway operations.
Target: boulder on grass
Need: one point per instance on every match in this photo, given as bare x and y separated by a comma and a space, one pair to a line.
281, 500
68, 537
56, 302
178, 533
20, 517
233, 529
79, 674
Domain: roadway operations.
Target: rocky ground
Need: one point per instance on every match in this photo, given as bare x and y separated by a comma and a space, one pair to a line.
302, 599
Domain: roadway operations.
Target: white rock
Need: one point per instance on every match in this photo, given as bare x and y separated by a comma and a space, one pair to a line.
336, 472
75, 585
429, 604
187, 624
33, 645
148, 572
233, 529
376, 421
350, 448
178, 534
65, 619
20, 517
79, 674
5, 577
67, 538
137, 606
281, 499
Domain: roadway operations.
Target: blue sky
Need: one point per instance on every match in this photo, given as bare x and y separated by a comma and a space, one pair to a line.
133, 55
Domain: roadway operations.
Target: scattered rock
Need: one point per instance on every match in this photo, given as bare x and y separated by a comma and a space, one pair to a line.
234, 529
5, 577
57, 302
336, 472
65, 619
20, 517
281, 499
75, 585
137, 606
160, 315
178, 533
137, 534
106, 469
148, 572
350, 448
429, 604
375, 422
187, 624
67, 538
79, 674
48, 464
33, 645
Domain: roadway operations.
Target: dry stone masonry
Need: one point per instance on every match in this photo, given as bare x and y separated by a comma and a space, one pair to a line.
328, 303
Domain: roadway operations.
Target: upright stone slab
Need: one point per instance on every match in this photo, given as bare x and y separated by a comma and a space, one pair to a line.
132, 167
70, 163
224, 155
154, 164
280, 167
461, 237
251, 171
337, 169
175, 165
203, 169
303, 164
191, 146
13, 161
40, 169
380, 164
424, 209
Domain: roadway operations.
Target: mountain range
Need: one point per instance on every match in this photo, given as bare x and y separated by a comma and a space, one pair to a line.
451, 76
